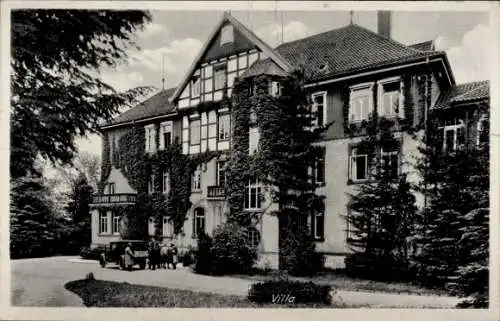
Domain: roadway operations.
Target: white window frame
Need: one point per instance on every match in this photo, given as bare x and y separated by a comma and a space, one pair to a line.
151, 184
196, 184
253, 139
394, 152
224, 126
352, 165
381, 94
150, 132
196, 86
275, 89
256, 186
453, 128
218, 74
167, 227
314, 108
195, 222
227, 34
192, 129
165, 127
254, 237
481, 123
165, 183
360, 91
219, 170
115, 224
103, 222
315, 226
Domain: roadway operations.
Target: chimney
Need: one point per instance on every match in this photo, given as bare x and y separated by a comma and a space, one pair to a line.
384, 23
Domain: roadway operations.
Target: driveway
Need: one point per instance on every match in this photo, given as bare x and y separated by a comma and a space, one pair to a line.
40, 282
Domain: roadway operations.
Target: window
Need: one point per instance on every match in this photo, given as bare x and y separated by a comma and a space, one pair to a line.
390, 99
103, 222
151, 184
150, 138
390, 162
253, 140
319, 109
221, 173
116, 224
110, 188
454, 136
220, 77
319, 170
165, 135
482, 130
196, 186
195, 86
168, 227
275, 89
226, 35
253, 237
165, 183
151, 226
224, 126
252, 196
198, 222
318, 225
358, 166
360, 103
194, 132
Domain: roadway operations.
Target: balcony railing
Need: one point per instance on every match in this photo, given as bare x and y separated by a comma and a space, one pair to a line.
113, 199
216, 191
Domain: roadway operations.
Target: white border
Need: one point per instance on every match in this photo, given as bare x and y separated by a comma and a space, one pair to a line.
8, 312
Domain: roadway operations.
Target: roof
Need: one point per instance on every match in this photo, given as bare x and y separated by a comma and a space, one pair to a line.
463, 93
347, 49
157, 105
245, 32
264, 67
423, 46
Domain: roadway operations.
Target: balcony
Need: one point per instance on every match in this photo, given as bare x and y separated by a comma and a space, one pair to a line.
216, 192
113, 199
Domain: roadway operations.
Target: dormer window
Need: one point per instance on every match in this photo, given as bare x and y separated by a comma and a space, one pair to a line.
226, 35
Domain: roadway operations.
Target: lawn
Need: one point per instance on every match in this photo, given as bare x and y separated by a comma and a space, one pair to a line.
340, 281
97, 293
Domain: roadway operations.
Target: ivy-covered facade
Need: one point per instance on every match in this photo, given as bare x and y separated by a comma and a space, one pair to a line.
187, 159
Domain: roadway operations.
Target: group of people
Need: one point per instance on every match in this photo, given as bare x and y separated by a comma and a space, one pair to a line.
161, 255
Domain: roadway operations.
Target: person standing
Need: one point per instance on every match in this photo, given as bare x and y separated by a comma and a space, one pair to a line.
173, 250
129, 257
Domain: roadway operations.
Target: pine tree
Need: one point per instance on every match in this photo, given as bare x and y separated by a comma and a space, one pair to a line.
455, 184
382, 210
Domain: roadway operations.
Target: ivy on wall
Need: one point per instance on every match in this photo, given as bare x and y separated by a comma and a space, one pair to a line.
137, 166
105, 162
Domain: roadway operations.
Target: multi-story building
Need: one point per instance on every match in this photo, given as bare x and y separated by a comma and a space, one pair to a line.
350, 71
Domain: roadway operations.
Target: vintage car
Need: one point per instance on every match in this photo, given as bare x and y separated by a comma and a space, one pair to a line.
115, 253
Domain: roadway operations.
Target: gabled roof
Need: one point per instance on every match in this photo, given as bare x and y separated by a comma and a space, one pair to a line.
464, 93
227, 18
345, 50
155, 106
423, 46
264, 67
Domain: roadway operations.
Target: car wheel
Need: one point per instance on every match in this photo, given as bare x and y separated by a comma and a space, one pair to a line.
102, 261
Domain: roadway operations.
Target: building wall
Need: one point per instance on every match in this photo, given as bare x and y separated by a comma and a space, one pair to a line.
101, 239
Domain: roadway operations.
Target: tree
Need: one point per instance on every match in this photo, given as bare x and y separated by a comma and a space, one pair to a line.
456, 185
287, 152
382, 210
56, 91
32, 223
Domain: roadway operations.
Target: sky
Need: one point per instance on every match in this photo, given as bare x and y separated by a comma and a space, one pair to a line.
176, 38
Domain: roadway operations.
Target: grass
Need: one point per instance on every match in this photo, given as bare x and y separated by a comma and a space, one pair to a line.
98, 293
339, 280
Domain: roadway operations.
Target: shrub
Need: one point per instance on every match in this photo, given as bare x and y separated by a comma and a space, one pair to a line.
375, 267
87, 253
231, 250
188, 257
203, 262
301, 292
298, 255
